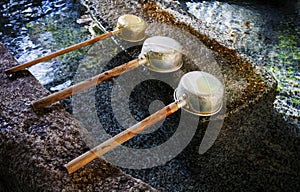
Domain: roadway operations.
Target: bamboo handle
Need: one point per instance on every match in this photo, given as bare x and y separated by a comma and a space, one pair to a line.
60, 52
50, 99
122, 137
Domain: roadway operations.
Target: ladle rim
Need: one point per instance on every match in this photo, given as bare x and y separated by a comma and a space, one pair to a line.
149, 65
151, 51
203, 114
121, 27
140, 20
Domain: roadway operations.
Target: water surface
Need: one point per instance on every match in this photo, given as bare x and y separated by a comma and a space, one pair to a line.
266, 32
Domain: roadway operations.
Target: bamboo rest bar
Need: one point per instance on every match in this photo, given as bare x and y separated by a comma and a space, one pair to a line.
170, 59
50, 99
134, 30
122, 137
58, 53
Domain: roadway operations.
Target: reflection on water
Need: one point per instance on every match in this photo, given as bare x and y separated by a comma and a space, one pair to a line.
267, 33
15, 16
35, 28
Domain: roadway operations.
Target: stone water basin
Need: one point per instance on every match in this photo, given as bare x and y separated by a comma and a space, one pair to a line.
230, 164
249, 127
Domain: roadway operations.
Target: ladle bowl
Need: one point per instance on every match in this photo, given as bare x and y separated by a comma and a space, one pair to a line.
164, 54
203, 92
162, 57
131, 28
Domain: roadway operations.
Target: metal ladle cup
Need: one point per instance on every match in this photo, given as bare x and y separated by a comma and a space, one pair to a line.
164, 57
164, 54
129, 27
193, 86
202, 91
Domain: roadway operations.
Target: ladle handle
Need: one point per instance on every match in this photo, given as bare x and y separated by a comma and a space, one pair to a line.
122, 137
50, 99
60, 52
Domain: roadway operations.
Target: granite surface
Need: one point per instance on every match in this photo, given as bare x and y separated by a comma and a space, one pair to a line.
36, 144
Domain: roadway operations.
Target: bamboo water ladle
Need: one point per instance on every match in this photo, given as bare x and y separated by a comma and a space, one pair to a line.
160, 54
198, 93
129, 27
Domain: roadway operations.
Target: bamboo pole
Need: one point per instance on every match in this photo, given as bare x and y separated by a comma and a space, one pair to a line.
60, 52
50, 99
122, 137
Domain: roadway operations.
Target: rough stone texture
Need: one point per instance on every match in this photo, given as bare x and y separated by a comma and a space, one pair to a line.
36, 145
